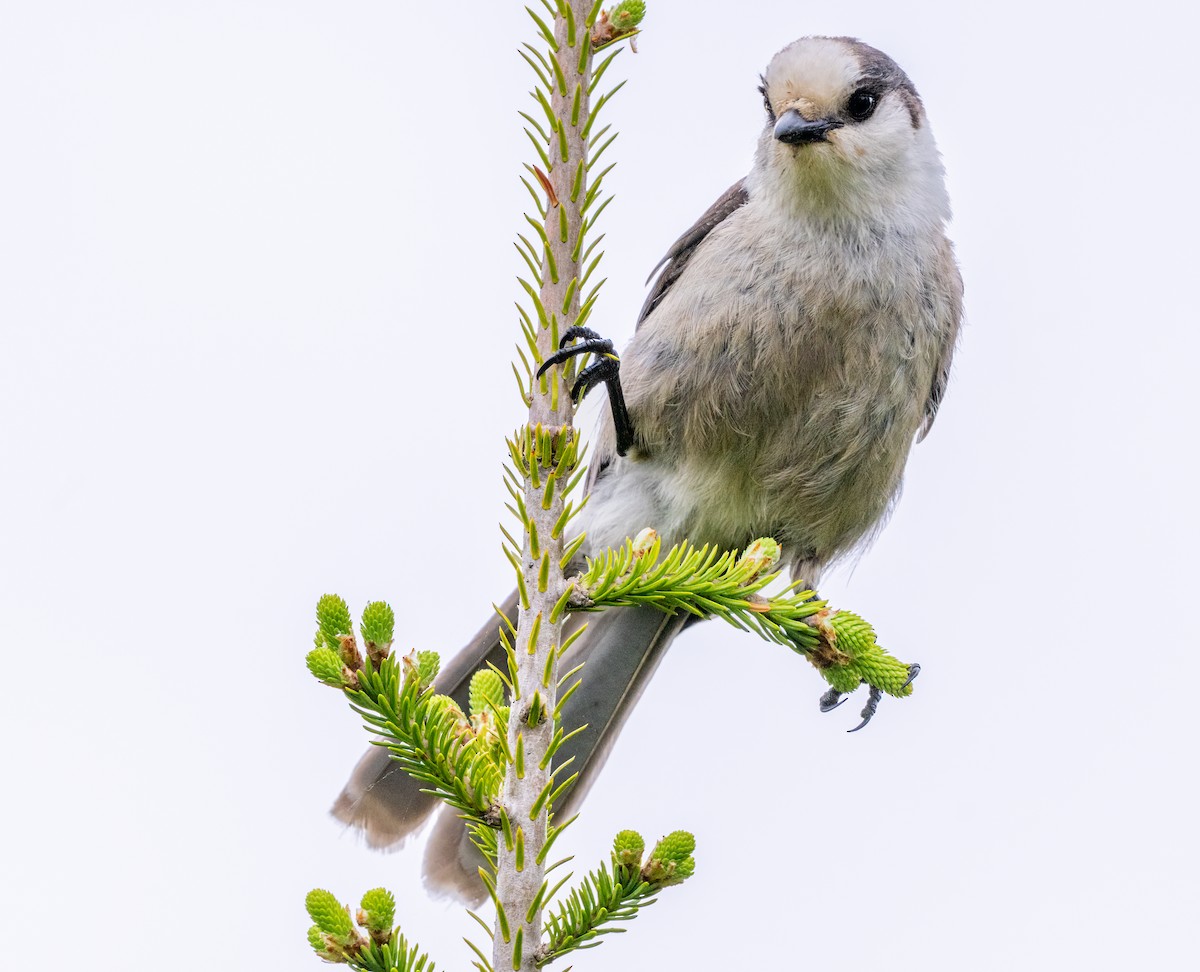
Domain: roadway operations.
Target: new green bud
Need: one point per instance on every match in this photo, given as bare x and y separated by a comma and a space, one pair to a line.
671, 860
644, 543
326, 665
885, 672
330, 916
486, 692
441, 705
428, 664
378, 623
853, 634
663, 873
484, 728
422, 665
333, 618
326, 948
628, 847
377, 913
685, 869
843, 678
853, 656
625, 16
676, 846
759, 558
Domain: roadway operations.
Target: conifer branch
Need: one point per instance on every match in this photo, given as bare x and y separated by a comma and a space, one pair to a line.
708, 582
545, 456
615, 892
374, 946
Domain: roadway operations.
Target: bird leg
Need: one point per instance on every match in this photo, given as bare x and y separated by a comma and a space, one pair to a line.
606, 369
868, 712
833, 698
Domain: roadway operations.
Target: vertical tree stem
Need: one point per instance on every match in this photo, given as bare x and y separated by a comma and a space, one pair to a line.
520, 873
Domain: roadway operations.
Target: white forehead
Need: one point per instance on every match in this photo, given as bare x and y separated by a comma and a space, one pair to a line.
821, 69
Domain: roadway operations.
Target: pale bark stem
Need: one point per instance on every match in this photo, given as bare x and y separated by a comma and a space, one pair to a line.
517, 889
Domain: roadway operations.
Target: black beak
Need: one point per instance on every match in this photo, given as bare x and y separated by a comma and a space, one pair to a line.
794, 129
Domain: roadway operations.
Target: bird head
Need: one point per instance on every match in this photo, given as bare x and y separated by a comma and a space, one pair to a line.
846, 133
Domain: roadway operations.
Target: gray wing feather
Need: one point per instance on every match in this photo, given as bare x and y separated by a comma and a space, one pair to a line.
951, 300
672, 266
676, 260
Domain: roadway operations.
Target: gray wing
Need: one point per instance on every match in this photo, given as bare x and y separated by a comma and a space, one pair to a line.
673, 264
950, 281
672, 267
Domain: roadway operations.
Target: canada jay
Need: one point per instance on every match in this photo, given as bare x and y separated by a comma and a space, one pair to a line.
796, 341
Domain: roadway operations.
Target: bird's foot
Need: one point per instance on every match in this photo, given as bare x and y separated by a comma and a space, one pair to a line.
606, 369
868, 712
833, 698
592, 343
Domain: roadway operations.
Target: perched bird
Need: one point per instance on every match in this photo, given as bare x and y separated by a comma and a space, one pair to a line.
795, 343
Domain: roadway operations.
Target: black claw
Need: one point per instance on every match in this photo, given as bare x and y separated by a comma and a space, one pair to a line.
607, 370
913, 671
831, 700
597, 345
868, 712
575, 331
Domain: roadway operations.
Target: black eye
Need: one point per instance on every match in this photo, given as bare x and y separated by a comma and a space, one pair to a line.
762, 89
861, 105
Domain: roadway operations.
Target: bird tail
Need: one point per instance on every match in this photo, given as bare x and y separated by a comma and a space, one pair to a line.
620, 651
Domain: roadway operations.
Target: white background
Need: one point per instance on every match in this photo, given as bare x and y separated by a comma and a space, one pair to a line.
256, 285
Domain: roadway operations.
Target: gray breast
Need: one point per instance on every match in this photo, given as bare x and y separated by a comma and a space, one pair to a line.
778, 391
